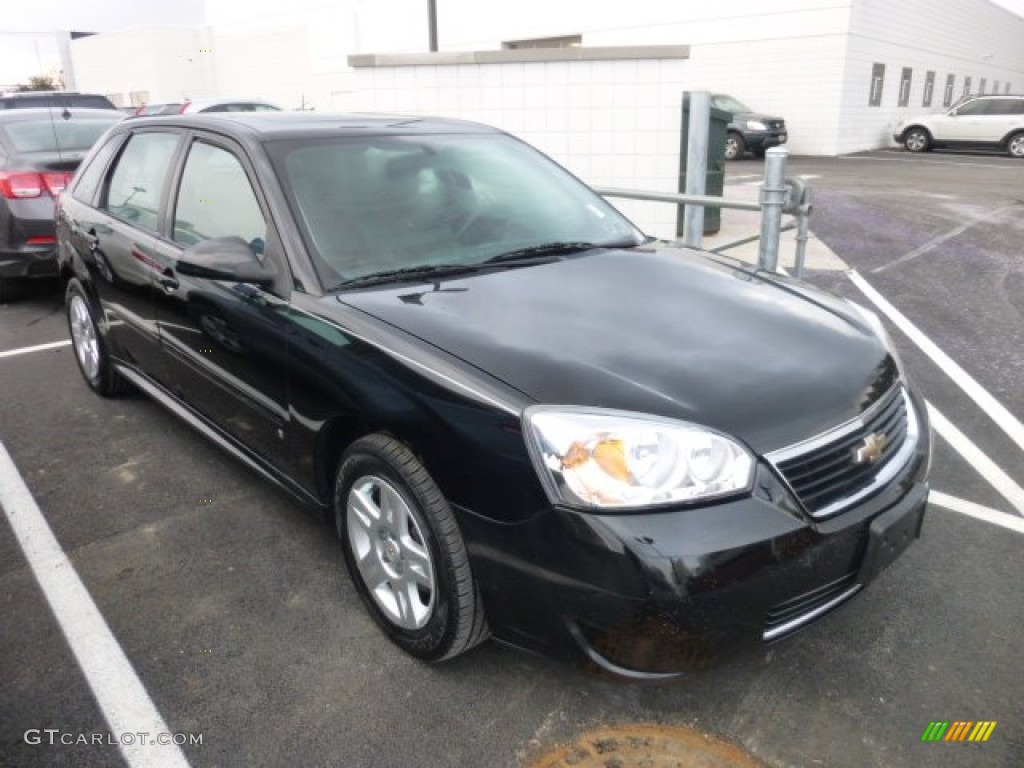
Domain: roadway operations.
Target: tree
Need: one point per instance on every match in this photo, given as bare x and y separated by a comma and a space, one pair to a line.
40, 83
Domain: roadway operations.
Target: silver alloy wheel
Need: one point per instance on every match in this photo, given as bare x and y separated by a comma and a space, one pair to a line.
83, 337
916, 141
731, 147
1016, 146
391, 552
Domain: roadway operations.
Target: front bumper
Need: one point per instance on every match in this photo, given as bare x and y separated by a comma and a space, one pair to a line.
652, 595
761, 140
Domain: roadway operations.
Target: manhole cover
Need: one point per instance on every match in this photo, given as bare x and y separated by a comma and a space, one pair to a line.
646, 746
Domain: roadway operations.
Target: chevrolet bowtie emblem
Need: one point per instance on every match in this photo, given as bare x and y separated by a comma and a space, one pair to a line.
871, 449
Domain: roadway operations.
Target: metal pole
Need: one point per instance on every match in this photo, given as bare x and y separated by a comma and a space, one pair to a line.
803, 213
696, 166
432, 21
773, 199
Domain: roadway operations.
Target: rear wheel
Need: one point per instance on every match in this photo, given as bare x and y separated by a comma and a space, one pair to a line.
1015, 145
90, 351
734, 146
917, 140
404, 551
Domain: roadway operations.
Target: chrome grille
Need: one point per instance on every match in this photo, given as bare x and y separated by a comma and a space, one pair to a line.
836, 470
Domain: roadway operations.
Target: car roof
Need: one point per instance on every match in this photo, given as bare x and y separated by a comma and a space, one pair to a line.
56, 113
272, 126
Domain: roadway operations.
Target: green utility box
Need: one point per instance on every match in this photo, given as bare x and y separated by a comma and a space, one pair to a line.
715, 179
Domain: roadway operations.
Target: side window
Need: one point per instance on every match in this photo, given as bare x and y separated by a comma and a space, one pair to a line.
977, 107
216, 200
138, 180
90, 177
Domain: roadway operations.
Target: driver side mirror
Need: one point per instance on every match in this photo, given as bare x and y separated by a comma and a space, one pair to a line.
225, 258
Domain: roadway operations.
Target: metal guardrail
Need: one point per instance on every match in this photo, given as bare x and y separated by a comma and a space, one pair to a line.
778, 195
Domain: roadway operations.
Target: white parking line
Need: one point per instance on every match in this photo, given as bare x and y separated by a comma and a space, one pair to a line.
932, 162
974, 456
120, 694
995, 410
977, 511
937, 241
36, 348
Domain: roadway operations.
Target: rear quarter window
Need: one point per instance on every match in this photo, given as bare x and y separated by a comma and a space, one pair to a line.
90, 176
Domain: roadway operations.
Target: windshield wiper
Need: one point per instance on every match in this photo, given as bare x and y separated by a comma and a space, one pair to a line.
424, 270
558, 248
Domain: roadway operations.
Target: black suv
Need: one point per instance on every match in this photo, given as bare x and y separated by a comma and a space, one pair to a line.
69, 99
749, 130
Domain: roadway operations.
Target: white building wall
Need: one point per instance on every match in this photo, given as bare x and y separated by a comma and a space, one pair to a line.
142, 65
612, 123
966, 38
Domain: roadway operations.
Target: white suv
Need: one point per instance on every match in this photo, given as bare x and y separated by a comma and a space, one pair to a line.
991, 122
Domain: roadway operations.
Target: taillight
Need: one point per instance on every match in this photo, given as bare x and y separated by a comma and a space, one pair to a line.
15, 186
41, 240
56, 182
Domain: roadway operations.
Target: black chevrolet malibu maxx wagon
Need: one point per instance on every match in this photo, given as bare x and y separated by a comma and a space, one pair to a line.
525, 418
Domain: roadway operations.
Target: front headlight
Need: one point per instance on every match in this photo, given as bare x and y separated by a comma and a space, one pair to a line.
756, 125
593, 457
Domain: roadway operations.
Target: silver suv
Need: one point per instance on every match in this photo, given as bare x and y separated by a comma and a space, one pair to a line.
989, 122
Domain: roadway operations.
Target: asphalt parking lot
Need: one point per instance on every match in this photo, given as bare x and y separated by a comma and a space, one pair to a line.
233, 607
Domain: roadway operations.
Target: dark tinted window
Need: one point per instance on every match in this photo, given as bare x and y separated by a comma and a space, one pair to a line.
45, 135
978, 107
216, 200
1005, 106
57, 100
137, 183
91, 176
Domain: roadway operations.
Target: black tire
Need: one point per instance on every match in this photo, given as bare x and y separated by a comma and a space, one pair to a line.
88, 345
1015, 145
917, 140
11, 288
735, 147
398, 548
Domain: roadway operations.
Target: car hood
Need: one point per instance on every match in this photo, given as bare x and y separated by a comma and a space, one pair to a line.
674, 333
739, 117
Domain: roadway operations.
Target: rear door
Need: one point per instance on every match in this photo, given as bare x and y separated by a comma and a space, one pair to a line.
226, 341
115, 231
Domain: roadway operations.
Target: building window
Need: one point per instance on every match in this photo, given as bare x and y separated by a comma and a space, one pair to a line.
1006, 88
947, 95
929, 86
967, 88
877, 80
995, 87
981, 87
905, 79
566, 41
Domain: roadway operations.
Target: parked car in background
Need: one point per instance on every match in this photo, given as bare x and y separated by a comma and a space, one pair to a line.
37, 99
39, 152
522, 416
979, 122
749, 131
188, 107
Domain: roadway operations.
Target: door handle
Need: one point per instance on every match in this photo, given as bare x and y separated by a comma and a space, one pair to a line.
93, 240
168, 281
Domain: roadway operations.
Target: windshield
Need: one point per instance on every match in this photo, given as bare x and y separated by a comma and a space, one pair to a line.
729, 104
373, 204
46, 135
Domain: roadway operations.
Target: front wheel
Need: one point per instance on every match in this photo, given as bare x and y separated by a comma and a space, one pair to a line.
90, 350
734, 146
917, 140
1015, 146
404, 551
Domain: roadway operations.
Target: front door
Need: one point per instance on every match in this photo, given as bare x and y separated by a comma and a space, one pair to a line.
225, 341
